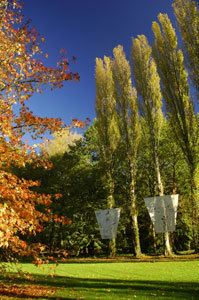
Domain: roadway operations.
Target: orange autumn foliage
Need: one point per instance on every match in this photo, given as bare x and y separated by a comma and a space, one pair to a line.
21, 75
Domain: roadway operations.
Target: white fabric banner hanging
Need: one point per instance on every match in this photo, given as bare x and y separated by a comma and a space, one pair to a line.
163, 212
108, 222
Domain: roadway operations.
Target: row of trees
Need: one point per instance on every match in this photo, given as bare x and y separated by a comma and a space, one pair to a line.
158, 72
80, 177
132, 150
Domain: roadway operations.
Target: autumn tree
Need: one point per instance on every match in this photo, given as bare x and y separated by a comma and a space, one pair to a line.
22, 74
107, 127
147, 83
128, 123
179, 104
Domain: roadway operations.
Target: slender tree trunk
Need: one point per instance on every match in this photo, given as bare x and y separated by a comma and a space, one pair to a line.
167, 245
194, 208
154, 239
112, 248
111, 203
133, 210
167, 248
136, 239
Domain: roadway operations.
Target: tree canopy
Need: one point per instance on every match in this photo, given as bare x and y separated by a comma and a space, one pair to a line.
22, 74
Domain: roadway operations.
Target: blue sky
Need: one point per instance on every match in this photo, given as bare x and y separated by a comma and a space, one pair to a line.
86, 29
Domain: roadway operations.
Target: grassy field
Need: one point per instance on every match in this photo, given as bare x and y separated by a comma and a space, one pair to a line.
107, 279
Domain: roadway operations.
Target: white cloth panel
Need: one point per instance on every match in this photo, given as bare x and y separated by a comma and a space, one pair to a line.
163, 212
108, 222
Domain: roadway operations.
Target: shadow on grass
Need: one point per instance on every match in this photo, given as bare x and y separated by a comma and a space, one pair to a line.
118, 288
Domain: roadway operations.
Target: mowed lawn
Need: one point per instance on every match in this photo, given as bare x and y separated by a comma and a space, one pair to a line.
108, 280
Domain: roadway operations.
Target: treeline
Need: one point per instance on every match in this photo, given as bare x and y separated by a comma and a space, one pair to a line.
134, 149
80, 177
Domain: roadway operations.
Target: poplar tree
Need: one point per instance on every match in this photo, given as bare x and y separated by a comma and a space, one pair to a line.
107, 128
179, 105
187, 15
128, 122
147, 83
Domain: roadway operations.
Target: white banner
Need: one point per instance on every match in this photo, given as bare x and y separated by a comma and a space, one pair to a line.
163, 212
108, 222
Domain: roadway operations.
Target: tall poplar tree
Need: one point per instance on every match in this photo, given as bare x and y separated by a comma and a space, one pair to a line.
147, 83
128, 122
107, 127
187, 15
179, 105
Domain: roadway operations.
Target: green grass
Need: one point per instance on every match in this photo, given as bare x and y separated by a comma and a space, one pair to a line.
117, 280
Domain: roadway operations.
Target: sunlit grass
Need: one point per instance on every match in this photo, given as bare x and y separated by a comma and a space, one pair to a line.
118, 280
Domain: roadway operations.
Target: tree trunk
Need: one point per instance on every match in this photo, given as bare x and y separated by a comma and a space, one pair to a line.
112, 248
136, 240
133, 210
194, 208
111, 203
154, 238
167, 245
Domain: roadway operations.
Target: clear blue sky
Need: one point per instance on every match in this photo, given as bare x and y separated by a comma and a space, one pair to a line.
87, 29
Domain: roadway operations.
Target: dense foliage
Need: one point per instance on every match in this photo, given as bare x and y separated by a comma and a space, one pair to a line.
79, 176
132, 150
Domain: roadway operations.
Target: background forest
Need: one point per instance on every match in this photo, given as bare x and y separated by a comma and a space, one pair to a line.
80, 177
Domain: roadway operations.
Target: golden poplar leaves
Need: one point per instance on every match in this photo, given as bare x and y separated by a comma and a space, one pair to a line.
187, 15
170, 62
147, 83
126, 101
175, 87
105, 104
